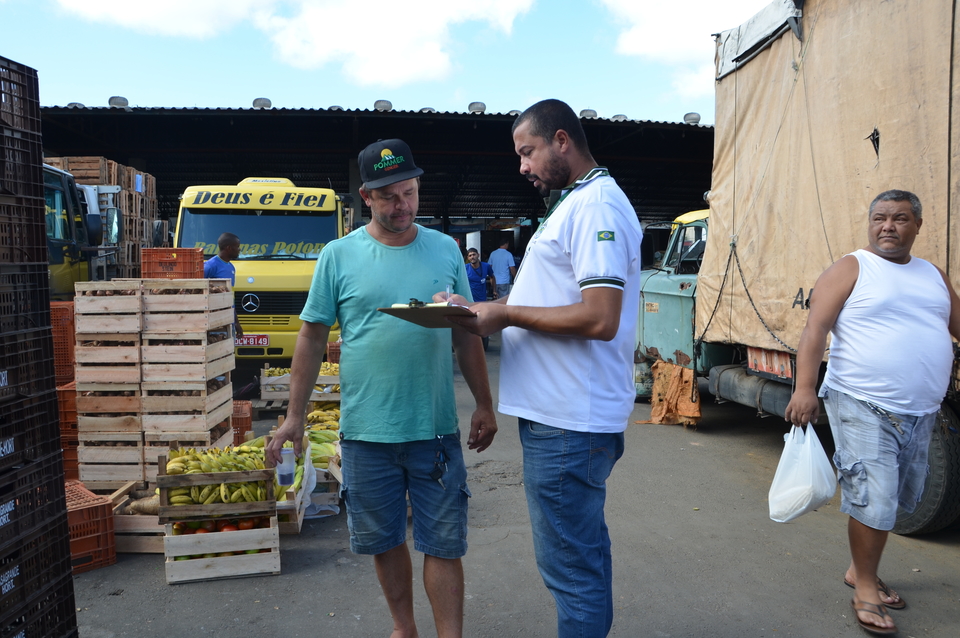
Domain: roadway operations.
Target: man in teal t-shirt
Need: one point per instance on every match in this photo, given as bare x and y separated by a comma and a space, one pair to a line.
398, 420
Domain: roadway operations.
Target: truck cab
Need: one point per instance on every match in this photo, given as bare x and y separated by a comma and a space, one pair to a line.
72, 233
282, 229
666, 325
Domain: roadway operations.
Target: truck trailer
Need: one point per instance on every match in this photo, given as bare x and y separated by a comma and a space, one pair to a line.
820, 106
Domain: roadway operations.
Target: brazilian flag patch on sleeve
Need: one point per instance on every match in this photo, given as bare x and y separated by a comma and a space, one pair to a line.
606, 235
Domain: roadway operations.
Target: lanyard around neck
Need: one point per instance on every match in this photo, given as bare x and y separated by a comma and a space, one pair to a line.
553, 201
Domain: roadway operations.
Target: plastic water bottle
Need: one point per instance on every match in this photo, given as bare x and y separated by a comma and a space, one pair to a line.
287, 466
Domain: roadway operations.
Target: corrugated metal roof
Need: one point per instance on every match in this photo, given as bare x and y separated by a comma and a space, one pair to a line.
357, 111
471, 168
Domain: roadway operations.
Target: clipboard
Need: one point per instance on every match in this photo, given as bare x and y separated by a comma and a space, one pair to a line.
429, 315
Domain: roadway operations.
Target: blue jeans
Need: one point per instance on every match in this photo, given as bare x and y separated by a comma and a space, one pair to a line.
377, 477
564, 475
881, 458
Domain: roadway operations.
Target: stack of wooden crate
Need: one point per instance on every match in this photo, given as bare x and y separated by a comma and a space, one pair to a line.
154, 361
108, 320
137, 202
187, 358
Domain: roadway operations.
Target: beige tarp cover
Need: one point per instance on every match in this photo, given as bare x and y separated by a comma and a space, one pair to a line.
795, 167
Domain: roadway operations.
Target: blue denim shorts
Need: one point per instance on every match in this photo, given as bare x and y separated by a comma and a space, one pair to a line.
376, 480
881, 458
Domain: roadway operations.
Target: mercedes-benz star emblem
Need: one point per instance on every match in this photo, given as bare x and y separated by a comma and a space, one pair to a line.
250, 302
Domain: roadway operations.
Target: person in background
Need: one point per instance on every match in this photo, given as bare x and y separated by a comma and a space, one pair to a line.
504, 268
399, 431
478, 273
891, 316
219, 267
567, 359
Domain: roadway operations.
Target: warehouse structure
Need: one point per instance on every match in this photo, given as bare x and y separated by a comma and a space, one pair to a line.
471, 179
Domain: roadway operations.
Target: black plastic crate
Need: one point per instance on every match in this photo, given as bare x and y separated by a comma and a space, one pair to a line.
23, 230
29, 431
50, 614
30, 496
32, 566
24, 297
26, 364
19, 96
21, 163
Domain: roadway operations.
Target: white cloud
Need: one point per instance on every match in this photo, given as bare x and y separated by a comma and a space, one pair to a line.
185, 18
677, 34
378, 42
389, 43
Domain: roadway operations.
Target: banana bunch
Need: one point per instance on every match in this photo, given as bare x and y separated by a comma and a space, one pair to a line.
325, 416
328, 369
276, 372
246, 457
322, 447
218, 493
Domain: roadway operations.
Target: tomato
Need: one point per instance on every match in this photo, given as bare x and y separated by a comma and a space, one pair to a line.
246, 523
229, 528
252, 551
193, 524
225, 554
182, 558
201, 530
210, 526
209, 556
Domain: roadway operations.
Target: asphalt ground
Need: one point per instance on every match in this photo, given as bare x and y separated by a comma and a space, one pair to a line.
695, 554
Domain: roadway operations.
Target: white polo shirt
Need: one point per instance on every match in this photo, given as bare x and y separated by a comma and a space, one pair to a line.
590, 239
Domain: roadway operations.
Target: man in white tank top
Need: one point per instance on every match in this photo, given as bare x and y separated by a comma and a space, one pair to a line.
891, 316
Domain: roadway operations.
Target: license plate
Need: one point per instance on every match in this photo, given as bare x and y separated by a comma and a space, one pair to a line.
252, 340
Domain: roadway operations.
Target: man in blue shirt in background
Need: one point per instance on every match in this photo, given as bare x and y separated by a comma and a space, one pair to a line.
219, 267
477, 273
504, 268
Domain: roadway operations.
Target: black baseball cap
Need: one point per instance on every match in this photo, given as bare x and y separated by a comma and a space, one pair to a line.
387, 162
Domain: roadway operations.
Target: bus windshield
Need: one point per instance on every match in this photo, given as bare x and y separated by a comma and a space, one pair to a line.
263, 233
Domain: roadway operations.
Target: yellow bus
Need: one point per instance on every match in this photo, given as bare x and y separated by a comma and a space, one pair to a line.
282, 229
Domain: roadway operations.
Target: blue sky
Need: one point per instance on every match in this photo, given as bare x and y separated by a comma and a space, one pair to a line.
646, 59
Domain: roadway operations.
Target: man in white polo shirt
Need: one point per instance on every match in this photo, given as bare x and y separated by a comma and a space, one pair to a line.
567, 359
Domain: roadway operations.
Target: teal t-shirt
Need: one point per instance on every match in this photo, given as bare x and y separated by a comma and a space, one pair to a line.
396, 378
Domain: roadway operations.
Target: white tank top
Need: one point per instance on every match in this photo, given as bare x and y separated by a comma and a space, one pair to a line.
891, 345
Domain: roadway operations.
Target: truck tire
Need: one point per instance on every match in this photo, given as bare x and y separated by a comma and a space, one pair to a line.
940, 504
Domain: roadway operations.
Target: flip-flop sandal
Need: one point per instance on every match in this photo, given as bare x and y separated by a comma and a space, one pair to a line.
885, 590
880, 611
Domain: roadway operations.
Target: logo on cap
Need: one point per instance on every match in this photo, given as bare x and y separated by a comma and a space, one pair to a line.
388, 161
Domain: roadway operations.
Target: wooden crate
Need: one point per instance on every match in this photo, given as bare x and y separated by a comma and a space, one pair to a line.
186, 295
188, 372
106, 398
185, 347
106, 407
215, 568
162, 397
120, 312
107, 358
187, 321
135, 533
290, 512
207, 304
172, 513
278, 388
187, 422
106, 457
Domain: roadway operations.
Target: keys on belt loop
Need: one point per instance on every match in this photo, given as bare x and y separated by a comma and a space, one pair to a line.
439, 464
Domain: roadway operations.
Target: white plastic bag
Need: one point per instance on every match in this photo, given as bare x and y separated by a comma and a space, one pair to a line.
804, 480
